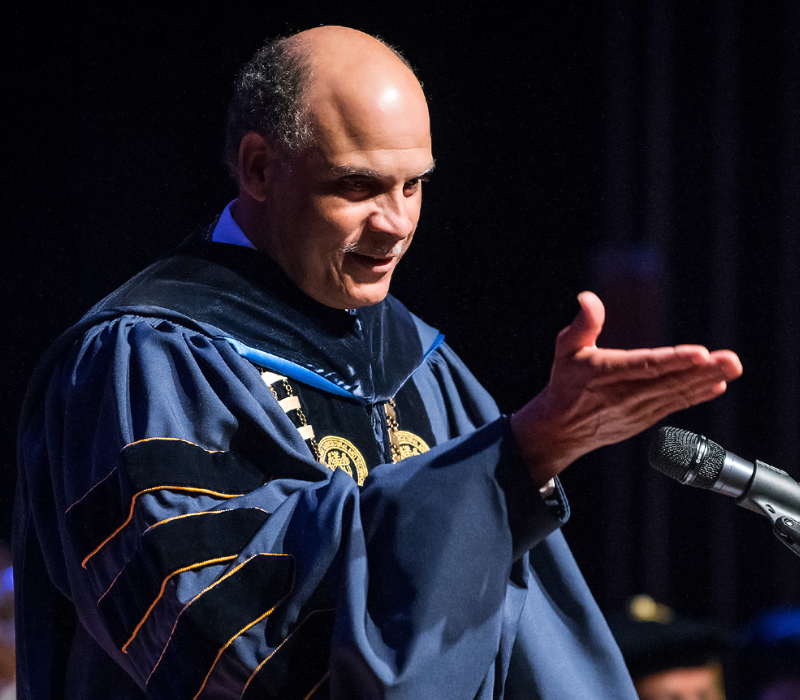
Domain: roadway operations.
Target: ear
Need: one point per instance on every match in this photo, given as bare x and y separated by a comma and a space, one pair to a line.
257, 158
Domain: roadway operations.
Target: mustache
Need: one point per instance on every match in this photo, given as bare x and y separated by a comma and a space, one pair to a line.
377, 252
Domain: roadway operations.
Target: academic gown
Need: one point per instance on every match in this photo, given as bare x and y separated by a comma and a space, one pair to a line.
228, 490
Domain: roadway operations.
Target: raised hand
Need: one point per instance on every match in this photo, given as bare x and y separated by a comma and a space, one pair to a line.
598, 396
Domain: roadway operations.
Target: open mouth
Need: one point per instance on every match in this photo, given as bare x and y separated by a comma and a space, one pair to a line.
374, 264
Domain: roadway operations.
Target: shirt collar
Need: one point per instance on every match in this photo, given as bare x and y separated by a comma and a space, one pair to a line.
228, 231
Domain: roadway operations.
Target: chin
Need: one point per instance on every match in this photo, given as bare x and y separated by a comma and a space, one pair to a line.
366, 295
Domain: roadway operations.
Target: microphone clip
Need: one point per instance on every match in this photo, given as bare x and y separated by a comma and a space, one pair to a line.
772, 492
787, 530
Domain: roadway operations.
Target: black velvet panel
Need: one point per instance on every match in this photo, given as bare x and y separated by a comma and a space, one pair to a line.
185, 542
215, 618
411, 413
158, 463
330, 415
298, 665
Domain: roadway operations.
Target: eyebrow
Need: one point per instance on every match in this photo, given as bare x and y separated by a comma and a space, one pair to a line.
353, 170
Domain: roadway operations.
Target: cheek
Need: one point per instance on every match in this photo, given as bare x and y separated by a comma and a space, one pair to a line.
342, 223
414, 207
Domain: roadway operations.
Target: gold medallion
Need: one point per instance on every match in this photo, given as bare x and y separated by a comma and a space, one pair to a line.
410, 444
338, 453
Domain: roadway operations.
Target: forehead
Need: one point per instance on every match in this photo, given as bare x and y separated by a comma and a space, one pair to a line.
377, 113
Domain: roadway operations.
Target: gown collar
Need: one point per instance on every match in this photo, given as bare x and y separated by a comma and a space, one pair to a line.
241, 293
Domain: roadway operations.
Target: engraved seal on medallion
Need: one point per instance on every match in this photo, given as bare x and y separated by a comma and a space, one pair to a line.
337, 453
410, 444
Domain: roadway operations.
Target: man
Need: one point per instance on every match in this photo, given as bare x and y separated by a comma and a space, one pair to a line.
252, 473
669, 657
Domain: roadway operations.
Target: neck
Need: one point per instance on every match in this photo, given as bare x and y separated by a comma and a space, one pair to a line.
246, 213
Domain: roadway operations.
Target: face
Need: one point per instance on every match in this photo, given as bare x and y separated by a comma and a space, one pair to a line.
698, 683
343, 213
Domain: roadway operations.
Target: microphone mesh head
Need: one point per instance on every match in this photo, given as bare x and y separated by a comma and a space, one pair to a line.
677, 453
710, 467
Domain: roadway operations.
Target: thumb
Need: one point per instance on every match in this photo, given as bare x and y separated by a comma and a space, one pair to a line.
583, 331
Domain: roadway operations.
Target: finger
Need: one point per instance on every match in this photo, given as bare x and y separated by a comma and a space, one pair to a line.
630, 365
729, 362
665, 406
690, 366
684, 387
583, 331
700, 384
642, 408
692, 391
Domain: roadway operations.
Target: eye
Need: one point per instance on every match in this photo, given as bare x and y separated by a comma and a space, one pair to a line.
415, 184
356, 184
354, 187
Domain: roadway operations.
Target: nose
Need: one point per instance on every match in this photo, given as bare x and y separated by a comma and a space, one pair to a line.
395, 214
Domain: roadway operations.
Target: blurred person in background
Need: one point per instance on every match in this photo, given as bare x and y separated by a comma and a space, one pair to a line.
669, 657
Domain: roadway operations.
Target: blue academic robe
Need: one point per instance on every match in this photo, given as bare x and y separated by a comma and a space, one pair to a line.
177, 537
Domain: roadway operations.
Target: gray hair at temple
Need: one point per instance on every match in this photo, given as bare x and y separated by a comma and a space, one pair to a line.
269, 98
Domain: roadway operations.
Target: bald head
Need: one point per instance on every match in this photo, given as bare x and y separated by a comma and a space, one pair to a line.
360, 92
322, 78
343, 44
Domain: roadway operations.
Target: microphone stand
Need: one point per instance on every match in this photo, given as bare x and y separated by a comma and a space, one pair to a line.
774, 493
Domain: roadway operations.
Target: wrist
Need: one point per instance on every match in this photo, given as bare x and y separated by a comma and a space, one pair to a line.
542, 442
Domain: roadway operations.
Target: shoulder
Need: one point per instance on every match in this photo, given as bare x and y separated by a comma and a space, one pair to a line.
105, 350
127, 333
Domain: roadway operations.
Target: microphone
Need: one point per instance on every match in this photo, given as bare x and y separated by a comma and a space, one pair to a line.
697, 461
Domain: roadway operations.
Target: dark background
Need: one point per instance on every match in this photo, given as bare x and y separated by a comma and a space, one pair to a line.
647, 150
